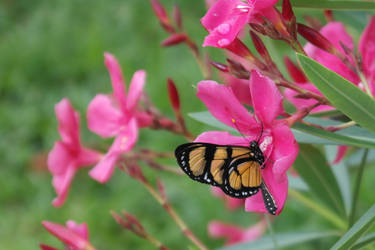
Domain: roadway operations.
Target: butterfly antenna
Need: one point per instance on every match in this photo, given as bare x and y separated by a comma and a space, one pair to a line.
239, 131
261, 132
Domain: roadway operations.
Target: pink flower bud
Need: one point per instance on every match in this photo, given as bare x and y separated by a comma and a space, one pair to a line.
287, 11
177, 16
46, 247
315, 38
173, 95
259, 46
220, 66
239, 48
294, 72
174, 39
159, 11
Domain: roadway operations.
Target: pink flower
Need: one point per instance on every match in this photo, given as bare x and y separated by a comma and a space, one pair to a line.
240, 87
226, 18
367, 49
277, 140
231, 203
234, 234
67, 155
115, 116
73, 235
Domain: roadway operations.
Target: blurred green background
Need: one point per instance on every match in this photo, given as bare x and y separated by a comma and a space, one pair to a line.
54, 49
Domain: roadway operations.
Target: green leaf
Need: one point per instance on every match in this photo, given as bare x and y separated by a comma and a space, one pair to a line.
357, 230
364, 241
344, 95
326, 113
333, 4
283, 240
206, 118
338, 138
341, 173
313, 168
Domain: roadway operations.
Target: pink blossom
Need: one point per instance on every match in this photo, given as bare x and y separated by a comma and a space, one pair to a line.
226, 18
116, 116
240, 87
235, 234
231, 203
68, 155
75, 236
277, 140
367, 49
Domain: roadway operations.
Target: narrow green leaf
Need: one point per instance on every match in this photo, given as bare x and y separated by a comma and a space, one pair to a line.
344, 95
283, 240
357, 230
313, 168
326, 113
341, 173
206, 118
337, 137
333, 4
364, 241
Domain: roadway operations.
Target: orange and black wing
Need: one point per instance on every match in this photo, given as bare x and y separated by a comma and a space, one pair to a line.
232, 168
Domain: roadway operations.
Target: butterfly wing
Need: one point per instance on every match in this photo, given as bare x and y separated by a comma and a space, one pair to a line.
218, 165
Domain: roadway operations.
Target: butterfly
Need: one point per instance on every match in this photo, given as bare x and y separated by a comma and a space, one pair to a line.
235, 169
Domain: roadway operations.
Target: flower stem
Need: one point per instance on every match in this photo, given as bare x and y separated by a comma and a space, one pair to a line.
357, 188
341, 126
324, 212
180, 223
194, 49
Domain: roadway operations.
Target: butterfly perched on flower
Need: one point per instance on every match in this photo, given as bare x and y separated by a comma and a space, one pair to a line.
235, 169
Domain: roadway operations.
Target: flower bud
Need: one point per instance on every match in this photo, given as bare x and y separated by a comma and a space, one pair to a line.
259, 46
174, 39
173, 95
220, 66
161, 14
294, 72
316, 38
287, 11
177, 16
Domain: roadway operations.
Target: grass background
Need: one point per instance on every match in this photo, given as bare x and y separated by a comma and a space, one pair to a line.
54, 49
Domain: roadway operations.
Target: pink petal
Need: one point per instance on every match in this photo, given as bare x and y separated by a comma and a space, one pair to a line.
335, 32
61, 183
65, 235
232, 233
231, 203
59, 158
124, 142
68, 122
135, 89
240, 88
88, 157
266, 98
224, 21
223, 138
367, 46
341, 152
259, 5
144, 119
285, 150
117, 79
301, 103
224, 106
103, 117
80, 229
235, 234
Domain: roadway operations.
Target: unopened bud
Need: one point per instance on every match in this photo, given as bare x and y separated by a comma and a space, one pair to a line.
46, 247
329, 16
239, 48
174, 39
161, 14
177, 16
316, 38
173, 95
294, 72
220, 66
259, 28
259, 46
238, 70
287, 11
